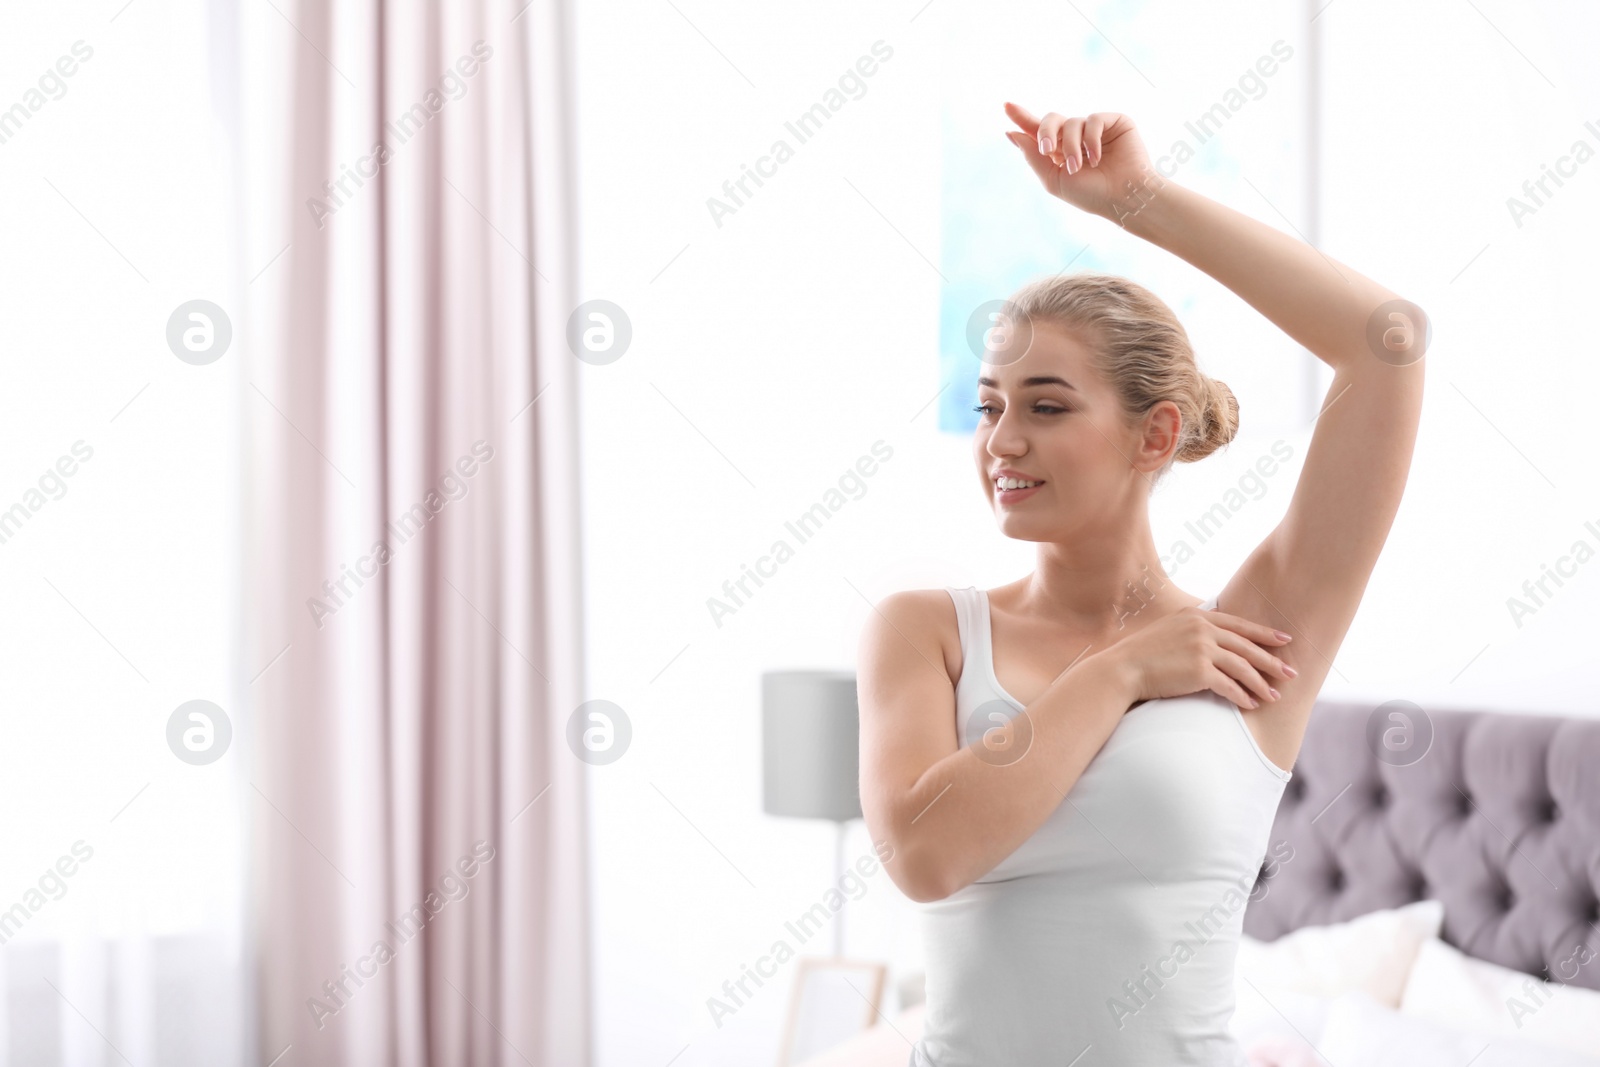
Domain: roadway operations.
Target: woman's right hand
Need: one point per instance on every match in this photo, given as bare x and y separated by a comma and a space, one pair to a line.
1193, 650
1097, 163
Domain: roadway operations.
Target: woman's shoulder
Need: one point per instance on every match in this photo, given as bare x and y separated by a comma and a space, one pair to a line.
928, 610
926, 618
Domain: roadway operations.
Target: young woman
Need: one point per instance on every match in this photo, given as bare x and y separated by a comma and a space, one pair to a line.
1077, 772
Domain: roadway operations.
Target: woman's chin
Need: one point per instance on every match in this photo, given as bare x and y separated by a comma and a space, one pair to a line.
1028, 527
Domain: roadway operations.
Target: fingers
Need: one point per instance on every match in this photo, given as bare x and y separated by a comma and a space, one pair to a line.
1260, 658
1049, 136
1047, 132
1061, 139
1093, 127
1238, 668
1022, 140
1225, 687
1022, 117
1261, 635
1069, 143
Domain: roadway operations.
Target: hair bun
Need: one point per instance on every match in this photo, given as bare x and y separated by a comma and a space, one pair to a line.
1219, 422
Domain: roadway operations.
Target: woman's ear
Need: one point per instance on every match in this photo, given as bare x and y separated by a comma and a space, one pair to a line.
1163, 429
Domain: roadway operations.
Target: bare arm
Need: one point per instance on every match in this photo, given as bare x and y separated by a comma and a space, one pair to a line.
1099, 165
1308, 575
1318, 301
950, 811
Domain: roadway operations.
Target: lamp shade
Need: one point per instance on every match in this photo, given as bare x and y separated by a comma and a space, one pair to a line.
810, 733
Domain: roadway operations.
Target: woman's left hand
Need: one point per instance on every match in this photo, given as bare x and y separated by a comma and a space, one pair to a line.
1097, 163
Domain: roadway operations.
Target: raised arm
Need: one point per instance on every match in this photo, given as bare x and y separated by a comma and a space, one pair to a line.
1308, 575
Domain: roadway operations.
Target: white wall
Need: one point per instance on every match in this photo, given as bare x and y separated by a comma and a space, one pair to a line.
122, 583
771, 352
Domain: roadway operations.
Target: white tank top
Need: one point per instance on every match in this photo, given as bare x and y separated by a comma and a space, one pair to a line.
1108, 937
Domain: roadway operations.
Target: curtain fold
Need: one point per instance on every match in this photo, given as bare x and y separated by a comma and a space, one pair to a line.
420, 870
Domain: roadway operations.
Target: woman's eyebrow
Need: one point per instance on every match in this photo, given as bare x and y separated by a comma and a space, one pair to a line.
1040, 380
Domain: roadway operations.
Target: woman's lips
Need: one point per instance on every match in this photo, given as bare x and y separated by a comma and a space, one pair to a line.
1016, 496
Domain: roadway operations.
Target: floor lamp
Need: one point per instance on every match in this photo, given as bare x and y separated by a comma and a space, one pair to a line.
810, 757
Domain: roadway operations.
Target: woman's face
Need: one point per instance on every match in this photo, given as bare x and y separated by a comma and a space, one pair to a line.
1049, 417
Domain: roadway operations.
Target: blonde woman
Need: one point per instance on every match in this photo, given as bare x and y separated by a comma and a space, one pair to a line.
1077, 771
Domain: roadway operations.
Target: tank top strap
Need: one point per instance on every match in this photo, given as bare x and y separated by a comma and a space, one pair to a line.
967, 619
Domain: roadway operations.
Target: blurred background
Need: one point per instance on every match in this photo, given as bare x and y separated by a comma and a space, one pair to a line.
404, 406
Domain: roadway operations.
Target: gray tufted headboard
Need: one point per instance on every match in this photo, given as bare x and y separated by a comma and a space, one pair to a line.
1499, 819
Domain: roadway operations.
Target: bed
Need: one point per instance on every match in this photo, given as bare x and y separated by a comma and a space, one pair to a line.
1499, 820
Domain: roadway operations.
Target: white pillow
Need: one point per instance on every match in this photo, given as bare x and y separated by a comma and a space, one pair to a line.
1372, 953
1269, 1011
1447, 986
1360, 1031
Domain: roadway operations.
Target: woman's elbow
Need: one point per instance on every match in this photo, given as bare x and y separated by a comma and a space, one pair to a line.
916, 876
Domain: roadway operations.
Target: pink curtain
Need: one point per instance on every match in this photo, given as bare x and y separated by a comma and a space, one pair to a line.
420, 892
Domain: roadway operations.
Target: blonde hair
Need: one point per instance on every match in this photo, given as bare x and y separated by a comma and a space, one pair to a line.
1141, 349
